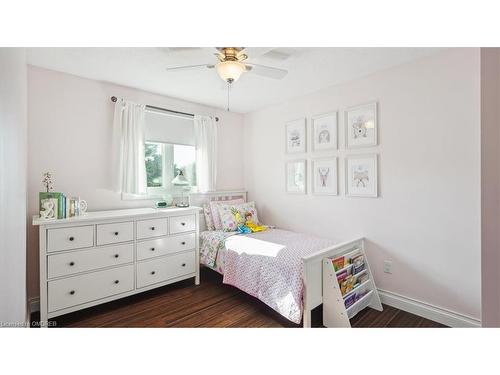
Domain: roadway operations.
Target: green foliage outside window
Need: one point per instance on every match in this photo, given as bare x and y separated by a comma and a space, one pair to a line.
154, 164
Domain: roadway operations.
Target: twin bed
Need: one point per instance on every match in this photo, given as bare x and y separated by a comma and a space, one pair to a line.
281, 268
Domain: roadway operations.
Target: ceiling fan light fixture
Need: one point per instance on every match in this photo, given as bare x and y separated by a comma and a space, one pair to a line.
230, 71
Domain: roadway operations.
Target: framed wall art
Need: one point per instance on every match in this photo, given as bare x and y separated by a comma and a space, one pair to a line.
324, 176
361, 175
295, 132
361, 126
324, 132
295, 176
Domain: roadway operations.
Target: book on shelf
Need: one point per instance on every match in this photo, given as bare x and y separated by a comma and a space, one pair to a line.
349, 301
347, 284
354, 297
338, 263
348, 280
358, 263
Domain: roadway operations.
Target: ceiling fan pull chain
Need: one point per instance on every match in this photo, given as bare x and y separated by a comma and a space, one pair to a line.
228, 90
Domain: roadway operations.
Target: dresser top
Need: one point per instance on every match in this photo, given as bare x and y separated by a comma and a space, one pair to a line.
117, 214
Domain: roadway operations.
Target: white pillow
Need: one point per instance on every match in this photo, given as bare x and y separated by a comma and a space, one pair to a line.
214, 207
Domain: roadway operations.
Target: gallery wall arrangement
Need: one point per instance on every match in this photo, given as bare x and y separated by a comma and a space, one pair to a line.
360, 169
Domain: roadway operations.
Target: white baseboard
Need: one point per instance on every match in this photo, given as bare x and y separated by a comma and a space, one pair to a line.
34, 305
428, 311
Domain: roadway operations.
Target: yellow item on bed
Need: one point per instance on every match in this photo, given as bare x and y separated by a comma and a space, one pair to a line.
254, 227
251, 225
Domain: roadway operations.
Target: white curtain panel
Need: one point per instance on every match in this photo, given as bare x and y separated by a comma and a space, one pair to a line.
205, 134
128, 143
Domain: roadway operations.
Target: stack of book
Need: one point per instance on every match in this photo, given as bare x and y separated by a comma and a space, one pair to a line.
350, 275
65, 206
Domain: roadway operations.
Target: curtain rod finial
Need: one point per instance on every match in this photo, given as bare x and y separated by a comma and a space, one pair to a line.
114, 99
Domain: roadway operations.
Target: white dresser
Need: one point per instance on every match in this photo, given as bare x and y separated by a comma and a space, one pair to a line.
106, 255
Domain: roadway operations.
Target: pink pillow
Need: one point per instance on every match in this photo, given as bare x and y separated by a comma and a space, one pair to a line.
214, 207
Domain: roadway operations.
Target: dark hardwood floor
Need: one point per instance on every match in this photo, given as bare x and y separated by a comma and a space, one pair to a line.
211, 304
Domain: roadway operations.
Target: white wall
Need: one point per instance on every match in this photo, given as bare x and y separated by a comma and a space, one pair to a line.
69, 133
13, 149
427, 218
490, 185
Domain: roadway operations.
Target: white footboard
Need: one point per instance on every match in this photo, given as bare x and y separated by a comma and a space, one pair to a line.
313, 275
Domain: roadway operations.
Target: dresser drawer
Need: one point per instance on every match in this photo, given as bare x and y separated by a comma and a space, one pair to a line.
76, 290
166, 268
152, 228
87, 260
114, 233
179, 224
70, 238
165, 245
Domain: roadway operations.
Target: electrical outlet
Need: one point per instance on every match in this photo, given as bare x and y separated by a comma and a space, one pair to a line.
387, 266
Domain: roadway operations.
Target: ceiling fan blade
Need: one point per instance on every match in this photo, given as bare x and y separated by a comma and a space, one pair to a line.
186, 67
266, 71
171, 50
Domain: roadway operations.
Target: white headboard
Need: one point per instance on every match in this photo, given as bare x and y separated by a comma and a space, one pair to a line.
199, 199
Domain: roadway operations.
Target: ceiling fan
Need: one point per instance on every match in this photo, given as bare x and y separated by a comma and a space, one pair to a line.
232, 64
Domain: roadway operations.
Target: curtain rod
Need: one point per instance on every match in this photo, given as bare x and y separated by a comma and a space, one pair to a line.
114, 99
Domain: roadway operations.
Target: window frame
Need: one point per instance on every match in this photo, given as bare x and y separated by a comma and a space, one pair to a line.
156, 192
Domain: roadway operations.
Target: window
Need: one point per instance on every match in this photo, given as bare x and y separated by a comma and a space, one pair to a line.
164, 161
169, 149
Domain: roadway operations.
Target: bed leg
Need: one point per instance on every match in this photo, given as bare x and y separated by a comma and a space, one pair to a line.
306, 319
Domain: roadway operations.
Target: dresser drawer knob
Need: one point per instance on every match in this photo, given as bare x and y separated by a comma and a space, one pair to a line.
183, 242
72, 292
183, 224
153, 272
152, 228
183, 264
71, 263
152, 249
117, 281
116, 255
116, 233
72, 238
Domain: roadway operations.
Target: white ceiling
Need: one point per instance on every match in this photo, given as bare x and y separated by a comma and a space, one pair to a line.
310, 69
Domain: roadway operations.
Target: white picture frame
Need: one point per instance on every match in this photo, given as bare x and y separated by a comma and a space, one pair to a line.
324, 132
324, 176
361, 175
296, 136
361, 126
296, 176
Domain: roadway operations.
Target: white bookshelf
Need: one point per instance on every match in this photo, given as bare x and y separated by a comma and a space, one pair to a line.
335, 314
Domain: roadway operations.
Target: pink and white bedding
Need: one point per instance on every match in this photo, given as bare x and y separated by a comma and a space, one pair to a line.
266, 265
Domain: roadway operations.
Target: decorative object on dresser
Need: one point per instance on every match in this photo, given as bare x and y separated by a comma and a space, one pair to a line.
54, 205
295, 175
348, 287
361, 175
181, 181
324, 132
325, 176
295, 132
361, 126
106, 255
